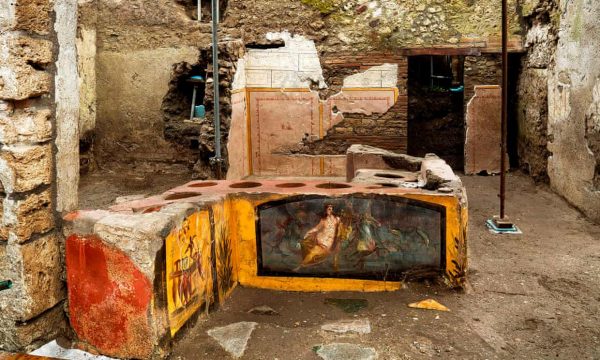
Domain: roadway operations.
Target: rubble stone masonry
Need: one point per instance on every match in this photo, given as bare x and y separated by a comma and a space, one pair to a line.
30, 247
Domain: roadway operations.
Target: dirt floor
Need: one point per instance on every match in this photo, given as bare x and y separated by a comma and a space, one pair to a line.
534, 296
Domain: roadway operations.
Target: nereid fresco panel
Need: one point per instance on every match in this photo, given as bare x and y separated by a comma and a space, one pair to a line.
361, 237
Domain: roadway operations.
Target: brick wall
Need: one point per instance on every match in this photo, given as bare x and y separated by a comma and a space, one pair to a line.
388, 130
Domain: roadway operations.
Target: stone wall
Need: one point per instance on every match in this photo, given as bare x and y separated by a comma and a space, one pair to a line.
30, 245
126, 54
573, 108
481, 70
532, 108
126, 111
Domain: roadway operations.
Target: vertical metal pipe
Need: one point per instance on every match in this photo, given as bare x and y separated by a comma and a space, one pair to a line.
430, 71
504, 107
193, 102
215, 56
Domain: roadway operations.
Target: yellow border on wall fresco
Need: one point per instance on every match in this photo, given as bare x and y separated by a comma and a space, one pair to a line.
249, 90
242, 224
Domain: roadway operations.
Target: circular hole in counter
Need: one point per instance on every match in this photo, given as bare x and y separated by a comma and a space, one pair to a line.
333, 186
245, 185
388, 185
183, 195
152, 209
380, 186
201, 184
389, 176
290, 185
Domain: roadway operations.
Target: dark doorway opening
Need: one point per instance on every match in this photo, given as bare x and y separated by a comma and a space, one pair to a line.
436, 107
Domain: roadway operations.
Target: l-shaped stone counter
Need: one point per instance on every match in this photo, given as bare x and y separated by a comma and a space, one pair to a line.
142, 272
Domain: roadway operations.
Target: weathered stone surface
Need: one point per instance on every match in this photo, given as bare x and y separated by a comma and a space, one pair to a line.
66, 95
30, 16
540, 42
86, 64
436, 172
263, 310
139, 236
481, 70
55, 351
391, 178
3, 226
35, 269
30, 50
482, 144
7, 15
31, 334
24, 167
24, 125
42, 271
359, 326
31, 215
369, 157
344, 351
19, 75
135, 82
533, 123
573, 165
233, 338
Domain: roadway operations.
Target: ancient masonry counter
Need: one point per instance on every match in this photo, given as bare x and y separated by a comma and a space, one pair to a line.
140, 271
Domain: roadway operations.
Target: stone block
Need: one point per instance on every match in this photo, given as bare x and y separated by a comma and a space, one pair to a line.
4, 266
435, 172
42, 272
26, 336
25, 167
139, 237
35, 269
30, 50
369, 157
3, 227
26, 15
20, 74
32, 215
25, 125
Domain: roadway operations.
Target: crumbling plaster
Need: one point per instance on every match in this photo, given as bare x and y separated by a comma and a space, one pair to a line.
125, 27
286, 108
131, 85
573, 98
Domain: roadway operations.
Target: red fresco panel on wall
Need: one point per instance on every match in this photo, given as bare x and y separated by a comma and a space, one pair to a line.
280, 119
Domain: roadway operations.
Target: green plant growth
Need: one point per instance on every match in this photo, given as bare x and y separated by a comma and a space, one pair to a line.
324, 6
225, 259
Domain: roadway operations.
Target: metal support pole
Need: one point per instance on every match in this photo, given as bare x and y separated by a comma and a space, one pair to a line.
504, 108
501, 224
193, 103
217, 160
